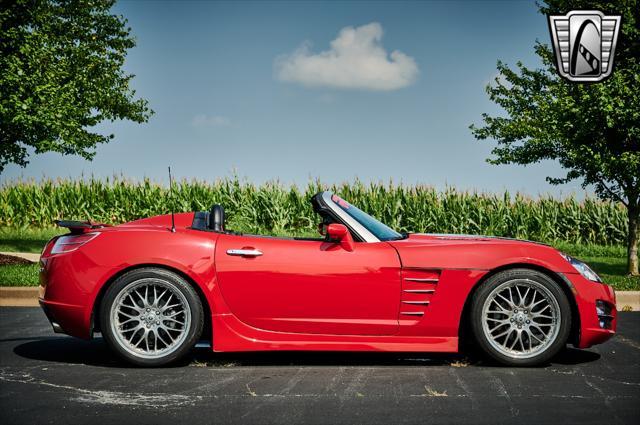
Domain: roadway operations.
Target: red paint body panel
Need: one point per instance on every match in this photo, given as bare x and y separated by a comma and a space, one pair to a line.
479, 253
309, 295
442, 314
586, 293
233, 335
71, 282
314, 287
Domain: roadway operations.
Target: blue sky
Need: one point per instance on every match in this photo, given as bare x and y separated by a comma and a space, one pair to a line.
234, 88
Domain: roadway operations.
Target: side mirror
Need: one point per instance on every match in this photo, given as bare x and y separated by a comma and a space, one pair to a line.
340, 233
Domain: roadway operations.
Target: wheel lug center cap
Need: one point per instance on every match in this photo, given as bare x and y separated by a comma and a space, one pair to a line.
520, 318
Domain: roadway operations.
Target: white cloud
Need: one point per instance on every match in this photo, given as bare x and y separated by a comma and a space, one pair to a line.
203, 120
356, 60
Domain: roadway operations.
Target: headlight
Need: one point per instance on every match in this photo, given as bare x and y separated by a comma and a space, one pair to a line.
582, 268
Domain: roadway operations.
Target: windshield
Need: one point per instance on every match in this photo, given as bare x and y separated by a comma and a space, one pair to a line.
380, 230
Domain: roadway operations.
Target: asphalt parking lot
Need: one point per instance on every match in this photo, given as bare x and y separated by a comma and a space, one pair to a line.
46, 378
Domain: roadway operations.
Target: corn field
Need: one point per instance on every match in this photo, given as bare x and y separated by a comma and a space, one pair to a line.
273, 208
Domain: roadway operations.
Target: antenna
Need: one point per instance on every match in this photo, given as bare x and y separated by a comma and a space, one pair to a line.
173, 219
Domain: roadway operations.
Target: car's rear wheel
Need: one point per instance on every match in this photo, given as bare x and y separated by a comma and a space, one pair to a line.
520, 317
151, 316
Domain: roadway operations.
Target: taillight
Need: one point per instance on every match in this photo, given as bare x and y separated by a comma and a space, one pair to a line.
70, 243
48, 246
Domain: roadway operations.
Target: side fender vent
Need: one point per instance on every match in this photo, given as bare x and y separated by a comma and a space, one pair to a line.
418, 288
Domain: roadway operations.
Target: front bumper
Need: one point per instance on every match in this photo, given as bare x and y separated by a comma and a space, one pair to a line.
595, 325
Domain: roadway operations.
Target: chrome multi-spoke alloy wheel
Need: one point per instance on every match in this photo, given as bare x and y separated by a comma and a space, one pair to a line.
150, 318
521, 318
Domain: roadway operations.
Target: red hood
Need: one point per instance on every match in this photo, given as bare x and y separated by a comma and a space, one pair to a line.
437, 251
445, 238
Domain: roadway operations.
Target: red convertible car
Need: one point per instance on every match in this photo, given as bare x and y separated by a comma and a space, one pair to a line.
153, 289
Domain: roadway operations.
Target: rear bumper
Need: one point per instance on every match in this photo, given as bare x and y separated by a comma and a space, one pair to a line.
64, 299
57, 328
595, 325
66, 319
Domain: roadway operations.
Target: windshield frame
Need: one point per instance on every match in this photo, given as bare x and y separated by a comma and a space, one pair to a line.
366, 232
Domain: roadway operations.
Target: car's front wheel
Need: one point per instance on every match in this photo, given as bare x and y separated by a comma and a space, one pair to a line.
151, 316
520, 317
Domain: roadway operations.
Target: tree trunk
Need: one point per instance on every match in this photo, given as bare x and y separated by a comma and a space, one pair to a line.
632, 241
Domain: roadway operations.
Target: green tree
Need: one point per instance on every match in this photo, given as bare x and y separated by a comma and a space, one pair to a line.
592, 130
60, 75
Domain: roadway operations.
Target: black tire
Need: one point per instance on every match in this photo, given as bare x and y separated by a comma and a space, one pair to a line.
177, 283
477, 319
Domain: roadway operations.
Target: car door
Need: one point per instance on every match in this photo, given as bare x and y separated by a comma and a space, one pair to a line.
310, 286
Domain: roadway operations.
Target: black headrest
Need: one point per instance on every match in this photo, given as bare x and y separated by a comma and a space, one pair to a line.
216, 218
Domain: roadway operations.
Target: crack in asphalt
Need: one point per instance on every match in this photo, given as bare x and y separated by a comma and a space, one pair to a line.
114, 398
502, 392
168, 400
631, 343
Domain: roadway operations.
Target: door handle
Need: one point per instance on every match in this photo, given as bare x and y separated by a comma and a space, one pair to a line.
245, 252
